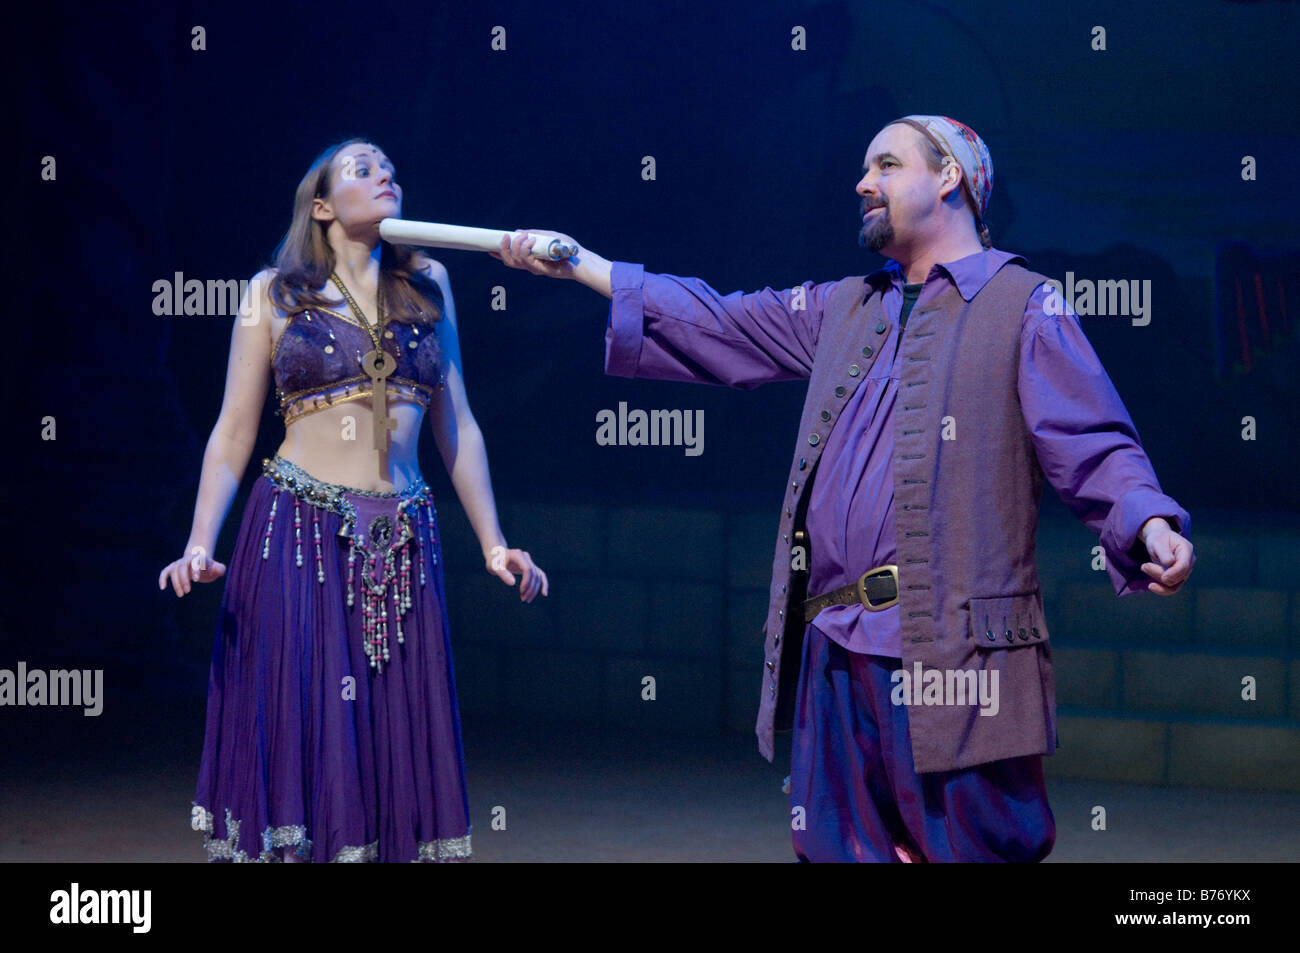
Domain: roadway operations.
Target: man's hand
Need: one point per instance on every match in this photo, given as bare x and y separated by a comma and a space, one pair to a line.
586, 267
516, 252
1172, 554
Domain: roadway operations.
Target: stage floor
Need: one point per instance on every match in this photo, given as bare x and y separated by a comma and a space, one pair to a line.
70, 792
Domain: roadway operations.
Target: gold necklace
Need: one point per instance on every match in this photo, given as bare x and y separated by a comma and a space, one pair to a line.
378, 365
356, 308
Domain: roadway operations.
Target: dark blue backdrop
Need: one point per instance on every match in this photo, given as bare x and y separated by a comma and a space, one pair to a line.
1122, 163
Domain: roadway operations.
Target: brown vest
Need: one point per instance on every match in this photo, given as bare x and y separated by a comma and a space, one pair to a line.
966, 508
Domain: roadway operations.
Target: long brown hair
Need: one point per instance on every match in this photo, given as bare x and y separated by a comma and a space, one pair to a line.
304, 259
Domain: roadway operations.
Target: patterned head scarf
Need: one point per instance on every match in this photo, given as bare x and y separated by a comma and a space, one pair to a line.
958, 140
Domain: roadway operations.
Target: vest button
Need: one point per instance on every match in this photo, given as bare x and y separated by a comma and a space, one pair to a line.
880, 328
1009, 636
1024, 636
991, 636
796, 487
802, 463
853, 370
1035, 631
814, 439
826, 415
788, 514
839, 391
868, 351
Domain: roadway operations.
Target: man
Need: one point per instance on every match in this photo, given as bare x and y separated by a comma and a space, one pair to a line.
905, 639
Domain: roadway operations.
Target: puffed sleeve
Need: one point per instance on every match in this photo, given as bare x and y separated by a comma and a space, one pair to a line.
663, 327
1086, 442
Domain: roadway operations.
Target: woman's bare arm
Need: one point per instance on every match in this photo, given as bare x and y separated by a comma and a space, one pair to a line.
457, 433
463, 452
231, 441
235, 432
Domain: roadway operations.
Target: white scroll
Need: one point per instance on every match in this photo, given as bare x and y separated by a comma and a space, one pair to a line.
407, 232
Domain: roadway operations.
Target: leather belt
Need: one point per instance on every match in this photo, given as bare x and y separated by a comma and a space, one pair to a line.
877, 589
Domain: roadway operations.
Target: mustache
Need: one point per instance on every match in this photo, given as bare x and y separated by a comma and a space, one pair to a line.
867, 208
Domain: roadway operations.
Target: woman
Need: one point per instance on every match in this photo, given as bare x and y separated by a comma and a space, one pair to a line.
332, 729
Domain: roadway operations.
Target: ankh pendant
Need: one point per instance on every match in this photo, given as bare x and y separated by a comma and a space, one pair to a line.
379, 364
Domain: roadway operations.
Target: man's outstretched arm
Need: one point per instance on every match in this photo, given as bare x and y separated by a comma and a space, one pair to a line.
663, 327
1090, 453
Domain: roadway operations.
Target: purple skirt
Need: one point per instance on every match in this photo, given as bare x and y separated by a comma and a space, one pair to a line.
332, 729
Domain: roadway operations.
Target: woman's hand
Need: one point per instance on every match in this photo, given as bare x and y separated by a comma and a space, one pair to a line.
501, 561
516, 252
196, 567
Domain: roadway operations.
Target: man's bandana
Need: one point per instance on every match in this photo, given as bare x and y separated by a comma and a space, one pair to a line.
954, 139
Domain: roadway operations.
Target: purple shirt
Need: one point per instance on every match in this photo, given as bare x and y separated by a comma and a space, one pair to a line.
669, 328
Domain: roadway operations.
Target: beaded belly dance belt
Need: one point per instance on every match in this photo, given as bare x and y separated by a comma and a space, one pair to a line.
384, 539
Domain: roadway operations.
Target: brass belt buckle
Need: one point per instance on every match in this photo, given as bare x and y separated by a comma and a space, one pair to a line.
890, 568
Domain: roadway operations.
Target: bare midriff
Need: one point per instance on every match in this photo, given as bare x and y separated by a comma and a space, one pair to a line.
336, 444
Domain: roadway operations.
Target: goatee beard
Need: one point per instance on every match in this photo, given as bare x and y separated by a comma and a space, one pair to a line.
874, 236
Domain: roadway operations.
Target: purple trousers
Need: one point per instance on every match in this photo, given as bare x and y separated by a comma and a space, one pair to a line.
862, 800
332, 730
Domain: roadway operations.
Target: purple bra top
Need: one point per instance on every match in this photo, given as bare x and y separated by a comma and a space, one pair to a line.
317, 362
